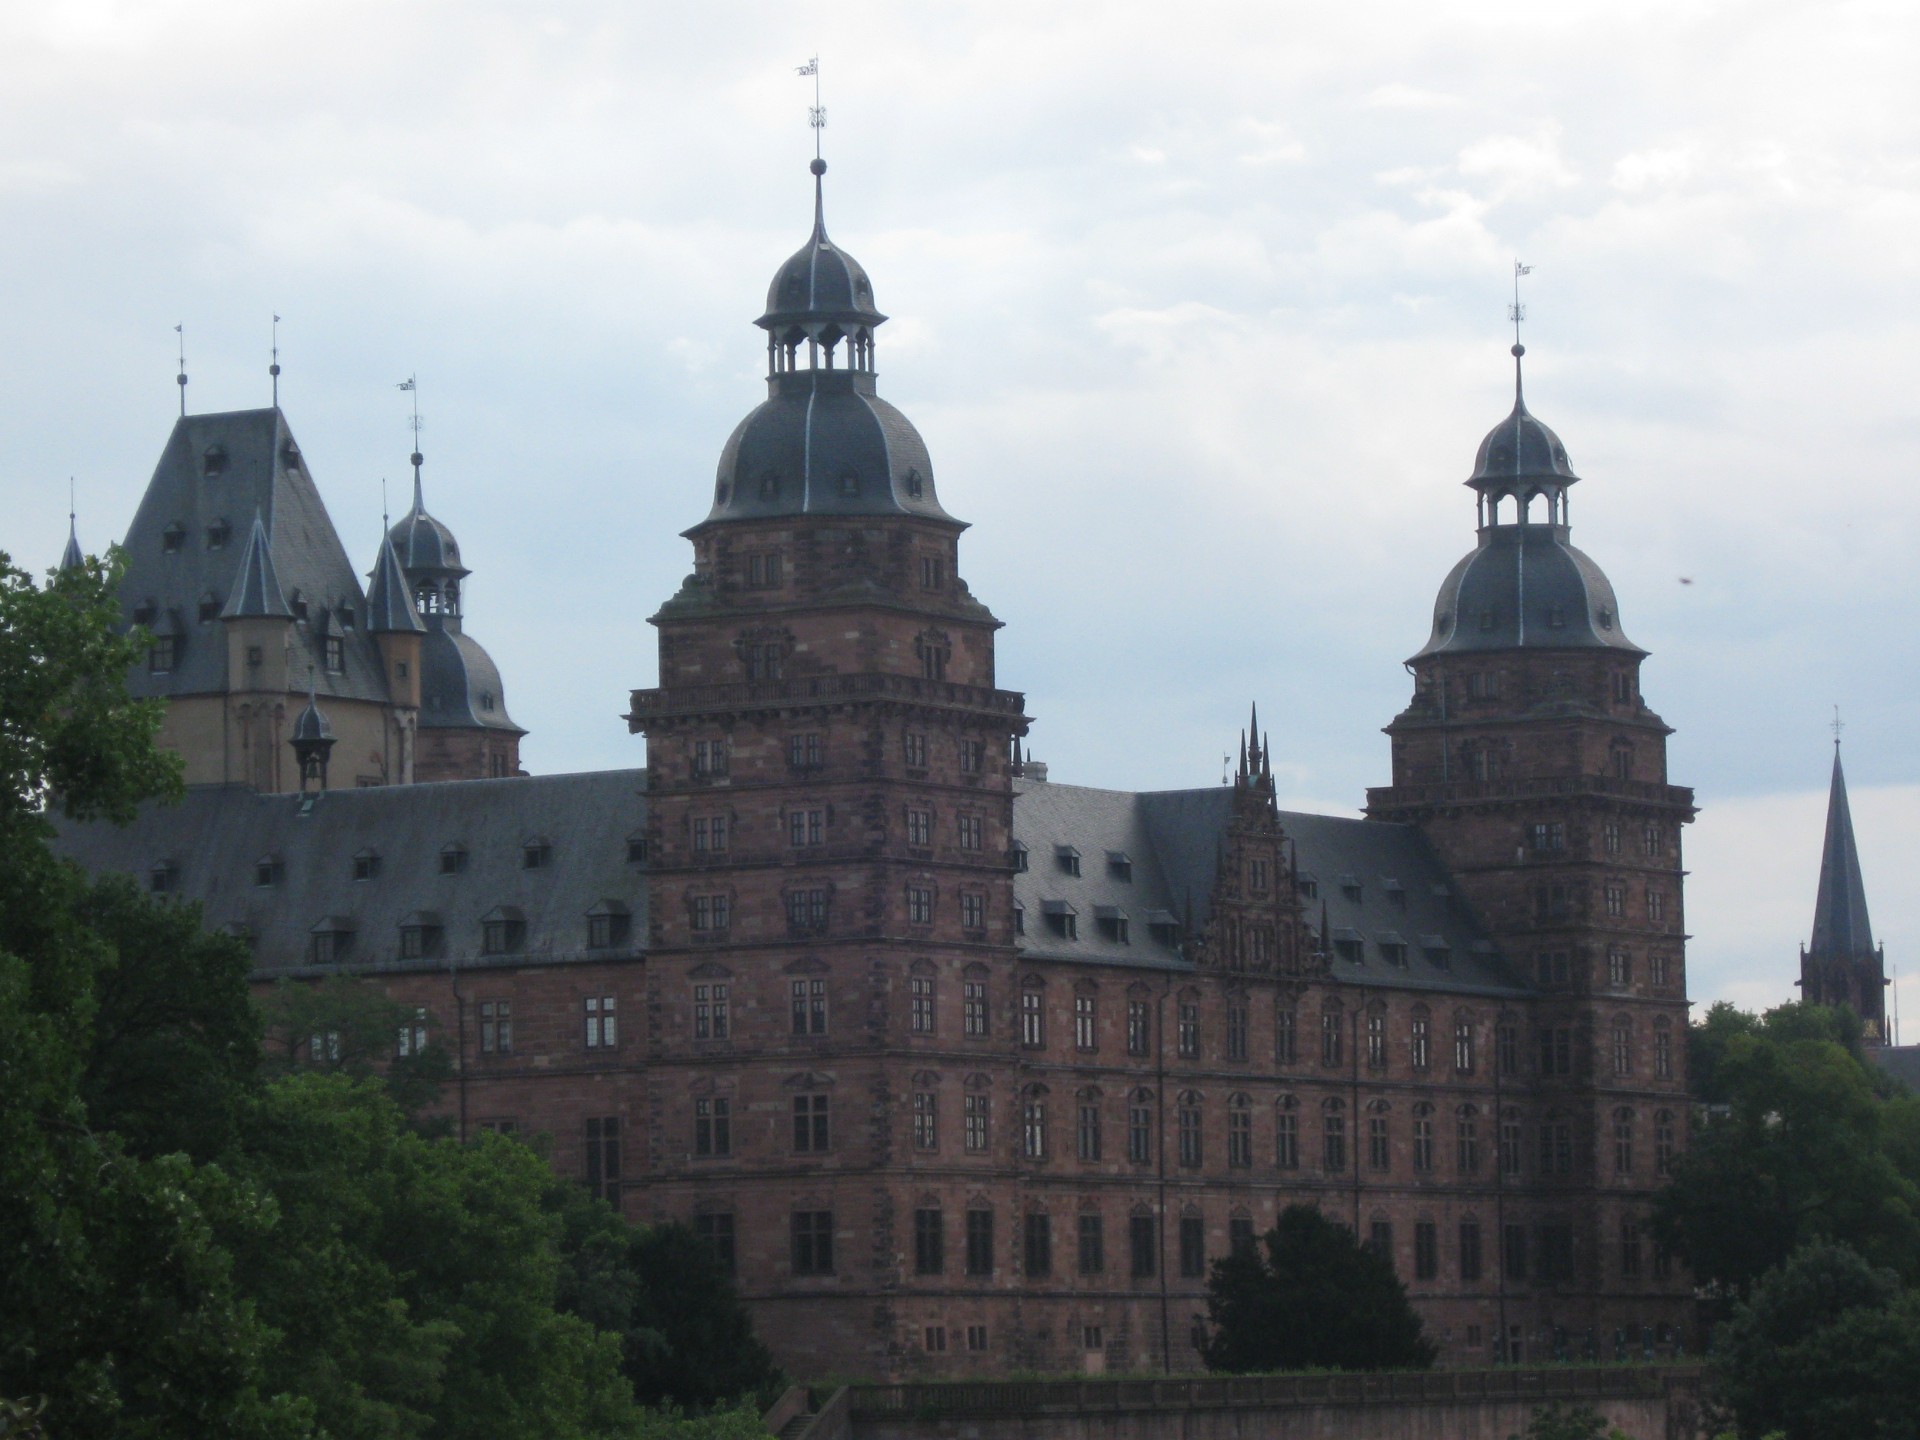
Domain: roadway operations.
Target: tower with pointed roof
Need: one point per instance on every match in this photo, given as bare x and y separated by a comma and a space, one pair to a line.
1841, 965
1531, 761
829, 803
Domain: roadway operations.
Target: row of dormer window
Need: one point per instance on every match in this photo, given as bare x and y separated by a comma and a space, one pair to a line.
536, 853
422, 935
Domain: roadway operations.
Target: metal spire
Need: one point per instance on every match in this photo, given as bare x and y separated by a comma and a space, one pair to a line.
1516, 312
412, 385
1840, 925
816, 113
181, 331
72, 558
274, 368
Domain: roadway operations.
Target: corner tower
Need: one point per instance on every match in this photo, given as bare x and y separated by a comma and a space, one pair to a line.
1532, 762
1842, 965
830, 812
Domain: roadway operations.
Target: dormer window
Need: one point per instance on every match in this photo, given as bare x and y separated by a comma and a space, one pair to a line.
218, 534
1556, 617
1019, 856
1439, 954
297, 603
420, 935
335, 650
915, 485
536, 854
290, 455
453, 859
268, 871
503, 931
607, 925
849, 483
1350, 889
1120, 866
213, 461
1306, 886
1349, 945
1067, 858
1113, 923
486, 701
331, 940
1062, 919
1486, 619
1163, 928
209, 606
1395, 892
636, 849
366, 865
173, 539
161, 655
164, 877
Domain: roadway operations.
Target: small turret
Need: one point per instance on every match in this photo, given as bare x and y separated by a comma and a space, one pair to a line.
312, 741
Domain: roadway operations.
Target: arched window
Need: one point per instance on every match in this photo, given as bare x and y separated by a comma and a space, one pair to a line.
1379, 1135
1463, 1043
1033, 1122
1662, 1048
1239, 1132
1510, 1143
1086, 1132
1332, 1029
1420, 1039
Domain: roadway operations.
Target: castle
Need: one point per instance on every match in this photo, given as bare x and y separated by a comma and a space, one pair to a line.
960, 1069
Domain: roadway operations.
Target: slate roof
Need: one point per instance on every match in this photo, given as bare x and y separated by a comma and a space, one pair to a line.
1171, 838
185, 546
1900, 1061
390, 607
459, 683
1840, 924
214, 840
256, 590
820, 281
218, 835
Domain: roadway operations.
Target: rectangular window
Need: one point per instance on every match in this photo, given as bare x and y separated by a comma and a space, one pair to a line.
935, 1339
973, 910
709, 759
418, 941
1093, 1245
1616, 900
1380, 1239
602, 1022
1466, 1144
709, 834
1656, 906
1556, 1254
920, 1014
1629, 1249
763, 571
1513, 1258
979, 1242
811, 1132
716, 1228
1619, 969
1287, 1140
1469, 1250
1662, 1055
919, 828
413, 1035
1240, 1136
603, 1158
1423, 1142
1143, 1246
1286, 1049
712, 1127
973, 1008
1509, 1147
1188, 1030
1193, 1247
1039, 1244
1376, 1042
913, 748
1463, 1047
813, 1242
926, 1120
336, 649
933, 572
1426, 1250
803, 751
1087, 1131
1331, 1047
1657, 969
929, 1242
1556, 1051
1187, 1119
1139, 1027
973, 757
1086, 1030
1547, 836
806, 828
1240, 1240
712, 913
1610, 837
1236, 1029
976, 1338
919, 905
1140, 1131
1379, 1143
496, 1027
975, 1110
1033, 1128
1033, 1019
1652, 839
1333, 1142
972, 830
808, 1008
710, 1007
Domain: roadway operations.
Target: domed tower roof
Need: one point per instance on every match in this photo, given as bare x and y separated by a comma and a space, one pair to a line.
425, 546
823, 442
1524, 585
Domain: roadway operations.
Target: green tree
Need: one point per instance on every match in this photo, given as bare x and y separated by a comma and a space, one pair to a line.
1826, 1348
1799, 1146
347, 1026
686, 1339
1317, 1298
1578, 1422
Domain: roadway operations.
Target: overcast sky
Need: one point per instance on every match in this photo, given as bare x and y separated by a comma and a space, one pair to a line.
1200, 308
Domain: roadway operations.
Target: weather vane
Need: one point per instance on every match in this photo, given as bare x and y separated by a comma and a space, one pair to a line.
274, 368
1516, 312
816, 113
181, 331
1838, 726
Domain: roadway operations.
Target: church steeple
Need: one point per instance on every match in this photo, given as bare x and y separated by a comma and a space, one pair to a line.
1841, 965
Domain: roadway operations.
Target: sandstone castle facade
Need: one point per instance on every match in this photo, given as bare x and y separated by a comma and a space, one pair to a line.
962, 1069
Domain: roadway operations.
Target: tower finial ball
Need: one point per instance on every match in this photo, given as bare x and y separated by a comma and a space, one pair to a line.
818, 166
1518, 351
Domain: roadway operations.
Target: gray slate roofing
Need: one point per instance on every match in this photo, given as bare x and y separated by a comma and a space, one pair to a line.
1840, 924
218, 836
820, 281
1521, 453
256, 589
185, 545
390, 607
1171, 838
425, 545
459, 683
1524, 586
71, 558
1900, 1061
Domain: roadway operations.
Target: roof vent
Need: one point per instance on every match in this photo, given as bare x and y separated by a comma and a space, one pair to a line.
213, 461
